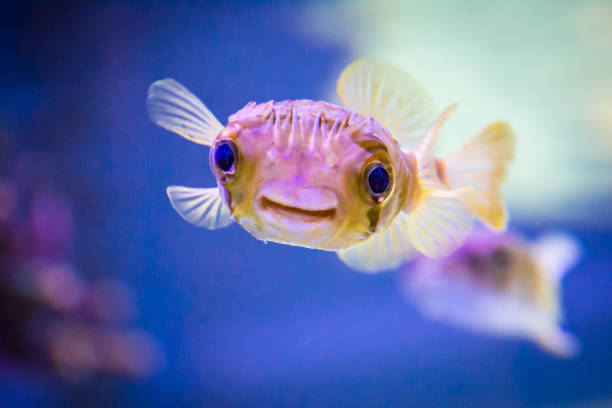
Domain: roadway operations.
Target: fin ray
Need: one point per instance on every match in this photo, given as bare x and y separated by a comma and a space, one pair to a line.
481, 165
384, 250
392, 97
203, 207
173, 107
439, 222
434, 233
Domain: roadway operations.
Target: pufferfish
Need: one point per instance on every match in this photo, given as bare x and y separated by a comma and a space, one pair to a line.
360, 179
499, 284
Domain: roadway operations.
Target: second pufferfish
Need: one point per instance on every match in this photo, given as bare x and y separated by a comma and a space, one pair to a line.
361, 180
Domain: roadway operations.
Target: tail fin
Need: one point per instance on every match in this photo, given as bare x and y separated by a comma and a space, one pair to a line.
556, 254
558, 342
481, 165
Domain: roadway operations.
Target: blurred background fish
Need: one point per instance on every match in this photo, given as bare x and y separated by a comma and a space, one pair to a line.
499, 284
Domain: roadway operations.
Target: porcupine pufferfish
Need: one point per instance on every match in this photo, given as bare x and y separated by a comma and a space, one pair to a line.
360, 179
499, 284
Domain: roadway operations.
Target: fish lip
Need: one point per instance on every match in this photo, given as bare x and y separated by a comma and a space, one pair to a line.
287, 203
299, 213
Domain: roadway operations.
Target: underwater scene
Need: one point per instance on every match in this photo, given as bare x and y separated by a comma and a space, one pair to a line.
306, 204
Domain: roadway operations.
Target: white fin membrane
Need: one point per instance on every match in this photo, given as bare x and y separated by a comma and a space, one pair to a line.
559, 342
390, 96
173, 107
556, 254
440, 223
203, 207
384, 250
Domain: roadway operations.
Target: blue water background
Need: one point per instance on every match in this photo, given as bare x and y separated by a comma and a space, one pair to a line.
243, 323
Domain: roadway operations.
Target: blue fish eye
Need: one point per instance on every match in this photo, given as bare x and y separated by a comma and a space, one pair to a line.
225, 155
378, 179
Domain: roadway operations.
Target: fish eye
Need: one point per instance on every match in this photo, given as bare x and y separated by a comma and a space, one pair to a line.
225, 155
378, 181
501, 257
476, 264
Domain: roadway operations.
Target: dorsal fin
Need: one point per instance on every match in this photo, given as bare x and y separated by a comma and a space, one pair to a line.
392, 97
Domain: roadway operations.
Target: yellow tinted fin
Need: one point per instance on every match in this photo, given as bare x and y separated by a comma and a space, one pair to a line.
384, 250
173, 107
437, 222
392, 97
481, 165
203, 207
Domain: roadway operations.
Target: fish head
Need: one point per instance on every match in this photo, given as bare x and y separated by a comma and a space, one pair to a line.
317, 186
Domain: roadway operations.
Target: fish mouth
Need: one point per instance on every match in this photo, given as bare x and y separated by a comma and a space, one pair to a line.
297, 213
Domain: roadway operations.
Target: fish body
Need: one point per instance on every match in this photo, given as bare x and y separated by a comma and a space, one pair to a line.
498, 284
360, 179
299, 172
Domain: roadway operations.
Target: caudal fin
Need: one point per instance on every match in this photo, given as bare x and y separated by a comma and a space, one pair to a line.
556, 254
558, 342
478, 168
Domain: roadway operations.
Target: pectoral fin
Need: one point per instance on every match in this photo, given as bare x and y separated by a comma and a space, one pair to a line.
203, 207
440, 223
384, 250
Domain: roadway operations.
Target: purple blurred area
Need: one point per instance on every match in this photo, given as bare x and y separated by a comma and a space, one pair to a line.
54, 318
108, 298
